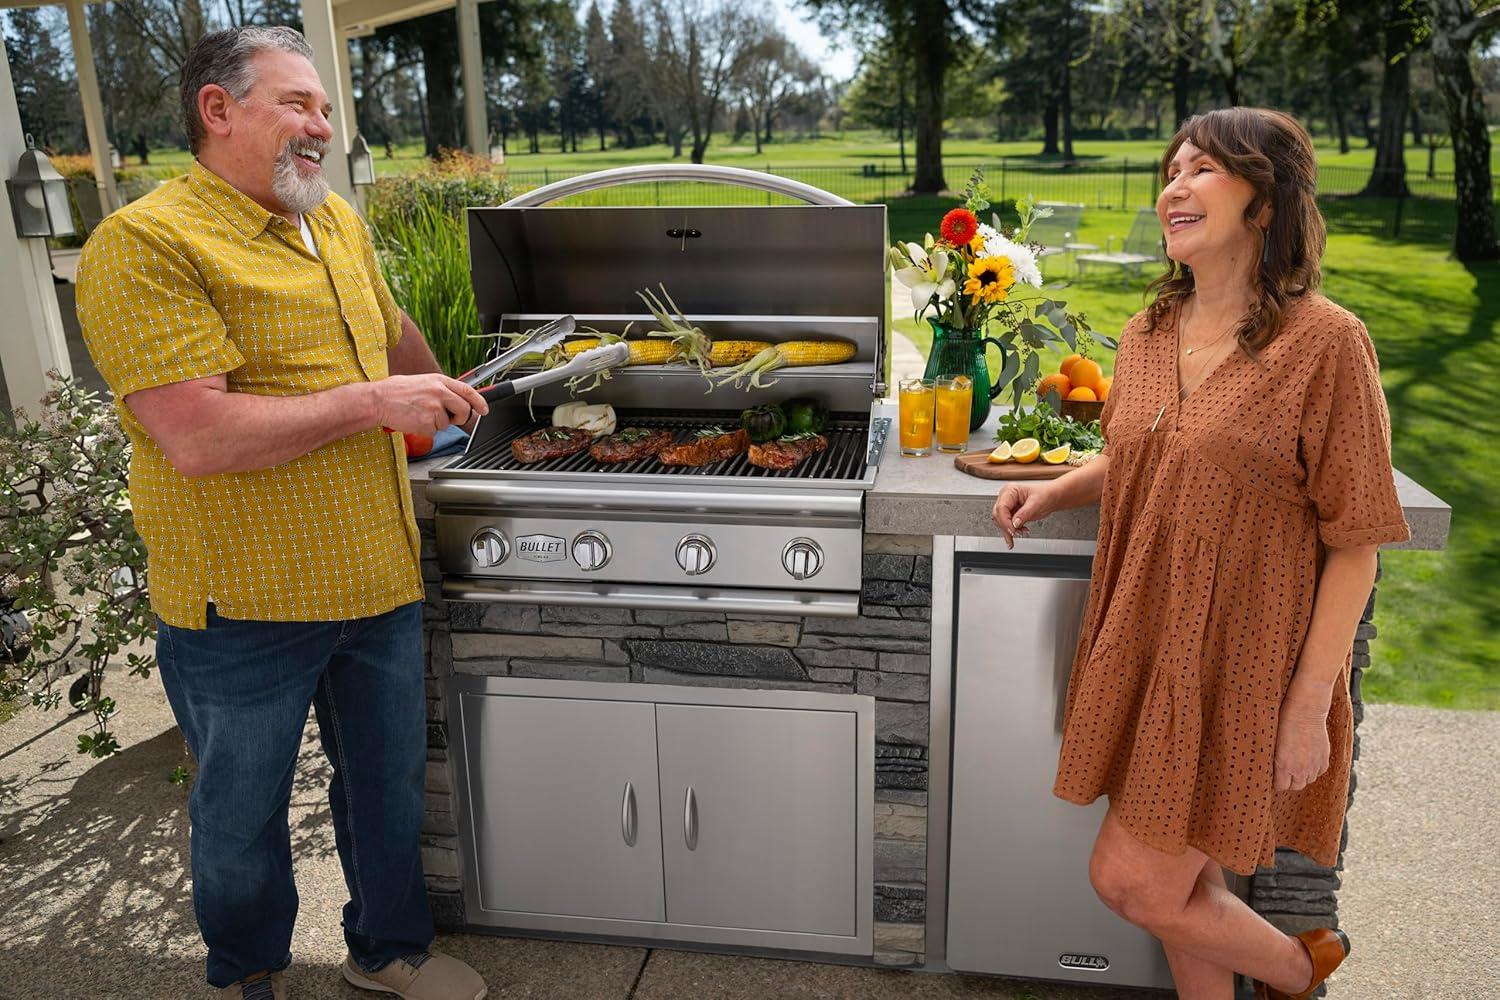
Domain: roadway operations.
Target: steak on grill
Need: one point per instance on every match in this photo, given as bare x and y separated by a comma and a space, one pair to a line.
549, 442
785, 454
630, 444
706, 450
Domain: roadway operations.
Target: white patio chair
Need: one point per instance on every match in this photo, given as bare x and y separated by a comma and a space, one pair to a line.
1142, 246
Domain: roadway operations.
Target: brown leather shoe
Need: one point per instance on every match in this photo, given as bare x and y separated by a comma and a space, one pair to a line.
257, 987
1327, 947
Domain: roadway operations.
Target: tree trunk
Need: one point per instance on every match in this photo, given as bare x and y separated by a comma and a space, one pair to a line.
1336, 117
1416, 127
1182, 81
1452, 58
1388, 179
930, 26
1049, 127
1066, 109
442, 94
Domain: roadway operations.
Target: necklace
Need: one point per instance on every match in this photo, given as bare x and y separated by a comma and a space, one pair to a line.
1191, 350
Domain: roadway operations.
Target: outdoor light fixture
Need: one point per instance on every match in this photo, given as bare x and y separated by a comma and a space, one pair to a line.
497, 150
39, 196
115, 160
361, 163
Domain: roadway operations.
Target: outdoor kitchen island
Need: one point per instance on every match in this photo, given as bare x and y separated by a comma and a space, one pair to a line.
890, 776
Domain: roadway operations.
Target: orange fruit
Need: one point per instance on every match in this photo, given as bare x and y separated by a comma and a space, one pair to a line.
1066, 368
1059, 382
1083, 392
1086, 373
1102, 389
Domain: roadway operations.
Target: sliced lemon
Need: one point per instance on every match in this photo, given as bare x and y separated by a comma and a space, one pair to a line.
1002, 453
1025, 450
1058, 455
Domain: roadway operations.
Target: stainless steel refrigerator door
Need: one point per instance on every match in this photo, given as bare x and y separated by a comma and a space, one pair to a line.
1019, 899
563, 796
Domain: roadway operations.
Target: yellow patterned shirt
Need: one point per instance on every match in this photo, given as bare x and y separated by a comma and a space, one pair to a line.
196, 279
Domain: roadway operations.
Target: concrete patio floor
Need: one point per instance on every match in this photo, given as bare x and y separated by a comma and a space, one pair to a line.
95, 896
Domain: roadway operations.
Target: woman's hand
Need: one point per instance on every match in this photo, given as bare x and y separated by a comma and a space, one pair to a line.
1302, 737
1021, 503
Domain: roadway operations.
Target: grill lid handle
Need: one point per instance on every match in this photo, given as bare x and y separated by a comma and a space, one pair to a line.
707, 173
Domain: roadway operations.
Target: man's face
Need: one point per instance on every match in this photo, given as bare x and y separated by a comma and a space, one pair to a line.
282, 131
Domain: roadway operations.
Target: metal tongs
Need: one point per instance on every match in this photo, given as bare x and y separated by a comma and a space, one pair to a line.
546, 336
595, 359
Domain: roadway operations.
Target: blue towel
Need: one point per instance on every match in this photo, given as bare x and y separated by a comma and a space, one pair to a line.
448, 441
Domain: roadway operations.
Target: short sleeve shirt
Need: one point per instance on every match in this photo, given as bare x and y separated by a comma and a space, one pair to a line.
194, 280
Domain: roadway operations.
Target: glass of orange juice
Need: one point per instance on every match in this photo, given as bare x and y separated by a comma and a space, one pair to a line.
916, 416
954, 397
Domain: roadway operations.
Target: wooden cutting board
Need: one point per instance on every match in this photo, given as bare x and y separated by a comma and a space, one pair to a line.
977, 463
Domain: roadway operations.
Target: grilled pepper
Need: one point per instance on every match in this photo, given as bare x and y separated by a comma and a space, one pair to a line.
805, 416
763, 423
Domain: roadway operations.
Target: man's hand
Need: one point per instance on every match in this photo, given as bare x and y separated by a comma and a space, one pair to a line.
425, 404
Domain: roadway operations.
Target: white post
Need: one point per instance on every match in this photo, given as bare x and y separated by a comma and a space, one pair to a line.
471, 60
346, 84
93, 107
31, 330
324, 37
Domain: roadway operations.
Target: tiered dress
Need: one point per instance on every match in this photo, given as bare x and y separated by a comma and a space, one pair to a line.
1214, 519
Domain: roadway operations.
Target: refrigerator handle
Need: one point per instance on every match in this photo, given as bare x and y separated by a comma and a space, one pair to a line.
627, 815
690, 820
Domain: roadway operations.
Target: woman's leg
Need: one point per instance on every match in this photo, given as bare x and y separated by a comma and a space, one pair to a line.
1199, 978
1163, 893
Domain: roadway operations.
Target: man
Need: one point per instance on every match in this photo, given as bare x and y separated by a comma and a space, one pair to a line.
255, 353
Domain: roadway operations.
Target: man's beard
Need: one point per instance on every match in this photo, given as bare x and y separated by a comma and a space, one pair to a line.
296, 191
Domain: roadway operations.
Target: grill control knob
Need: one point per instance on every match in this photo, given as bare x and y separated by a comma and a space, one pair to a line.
489, 547
802, 558
591, 550
696, 554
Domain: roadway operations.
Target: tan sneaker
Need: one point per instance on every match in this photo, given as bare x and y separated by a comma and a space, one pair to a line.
263, 987
429, 975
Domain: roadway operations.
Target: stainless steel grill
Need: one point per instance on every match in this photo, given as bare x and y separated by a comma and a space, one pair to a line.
726, 536
844, 459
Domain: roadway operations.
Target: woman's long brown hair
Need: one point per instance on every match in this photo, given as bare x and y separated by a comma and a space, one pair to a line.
1272, 151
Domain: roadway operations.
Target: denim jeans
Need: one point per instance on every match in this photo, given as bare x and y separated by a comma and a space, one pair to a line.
240, 691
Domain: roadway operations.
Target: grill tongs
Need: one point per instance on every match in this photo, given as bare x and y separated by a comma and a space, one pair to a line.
590, 362
546, 336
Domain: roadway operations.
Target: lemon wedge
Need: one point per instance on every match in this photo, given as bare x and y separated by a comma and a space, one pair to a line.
1058, 455
1026, 450
1002, 453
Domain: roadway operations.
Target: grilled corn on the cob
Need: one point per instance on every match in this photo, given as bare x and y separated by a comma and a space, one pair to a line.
791, 354
642, 352
735, 352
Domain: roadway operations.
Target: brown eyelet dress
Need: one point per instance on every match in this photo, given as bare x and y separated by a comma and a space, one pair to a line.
1212, 529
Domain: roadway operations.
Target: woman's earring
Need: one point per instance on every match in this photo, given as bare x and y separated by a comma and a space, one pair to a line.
1265, 248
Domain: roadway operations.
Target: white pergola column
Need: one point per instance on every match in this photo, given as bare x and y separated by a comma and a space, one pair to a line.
93, 107
31, 330
471, 61
325, 39
346, 83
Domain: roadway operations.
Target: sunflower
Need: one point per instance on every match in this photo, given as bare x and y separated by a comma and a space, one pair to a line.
959, 226
990, 279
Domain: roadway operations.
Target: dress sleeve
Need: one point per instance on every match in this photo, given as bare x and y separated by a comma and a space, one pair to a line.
1345, 445
145, 316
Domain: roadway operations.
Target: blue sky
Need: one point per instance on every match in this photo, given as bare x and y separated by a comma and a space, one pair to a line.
837, 60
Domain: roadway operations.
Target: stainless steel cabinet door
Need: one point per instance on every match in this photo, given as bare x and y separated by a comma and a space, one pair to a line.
563, 797
1019, 899
759, 819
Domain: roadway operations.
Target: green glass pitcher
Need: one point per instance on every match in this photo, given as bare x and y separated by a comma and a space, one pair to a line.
957, 351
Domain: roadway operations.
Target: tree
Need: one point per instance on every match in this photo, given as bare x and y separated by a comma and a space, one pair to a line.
1457, 27
1405, 27
928, 27
628, 99
1234, 30
774, 73
881, 93
702, 48
1040, 44
597, 54
46, 94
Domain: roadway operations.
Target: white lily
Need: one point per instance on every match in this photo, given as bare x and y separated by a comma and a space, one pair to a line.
927, 276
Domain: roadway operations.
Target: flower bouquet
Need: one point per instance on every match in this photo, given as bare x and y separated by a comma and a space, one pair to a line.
978, 284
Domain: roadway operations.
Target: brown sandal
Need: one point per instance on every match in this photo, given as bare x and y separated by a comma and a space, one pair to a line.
1327, 947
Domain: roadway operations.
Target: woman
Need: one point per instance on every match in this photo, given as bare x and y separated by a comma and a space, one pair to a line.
1243, 491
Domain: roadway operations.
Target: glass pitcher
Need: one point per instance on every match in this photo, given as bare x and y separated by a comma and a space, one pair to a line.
957, 351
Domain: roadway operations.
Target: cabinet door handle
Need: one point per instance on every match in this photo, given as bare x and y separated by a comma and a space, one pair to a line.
627, 815
690, 820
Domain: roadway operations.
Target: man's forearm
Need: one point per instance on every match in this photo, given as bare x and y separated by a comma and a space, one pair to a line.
269, 430
411, 355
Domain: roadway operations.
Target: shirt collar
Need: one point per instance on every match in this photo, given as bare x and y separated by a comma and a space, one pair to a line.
244, 213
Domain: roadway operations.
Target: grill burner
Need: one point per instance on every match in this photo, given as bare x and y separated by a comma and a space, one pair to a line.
844, 458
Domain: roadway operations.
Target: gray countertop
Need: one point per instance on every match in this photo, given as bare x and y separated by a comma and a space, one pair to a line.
928, 496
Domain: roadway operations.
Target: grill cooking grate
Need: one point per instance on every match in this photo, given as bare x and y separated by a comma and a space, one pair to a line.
843, 459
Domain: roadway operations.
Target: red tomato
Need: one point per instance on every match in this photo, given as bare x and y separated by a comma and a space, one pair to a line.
417, 445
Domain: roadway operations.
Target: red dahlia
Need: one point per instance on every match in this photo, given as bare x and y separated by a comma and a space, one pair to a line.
959, 227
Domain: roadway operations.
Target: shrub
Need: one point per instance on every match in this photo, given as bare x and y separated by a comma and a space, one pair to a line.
453, 182
70, 556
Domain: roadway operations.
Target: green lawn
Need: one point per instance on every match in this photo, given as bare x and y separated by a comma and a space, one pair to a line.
1436, 325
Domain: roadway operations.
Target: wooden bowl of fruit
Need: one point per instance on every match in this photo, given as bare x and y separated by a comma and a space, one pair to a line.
1080, 388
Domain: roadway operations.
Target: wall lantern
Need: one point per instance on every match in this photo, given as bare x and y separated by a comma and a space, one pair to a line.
115, 160
39, 196
497, 150
361, 163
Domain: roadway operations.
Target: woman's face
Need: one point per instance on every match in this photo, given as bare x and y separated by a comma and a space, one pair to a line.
1202, 210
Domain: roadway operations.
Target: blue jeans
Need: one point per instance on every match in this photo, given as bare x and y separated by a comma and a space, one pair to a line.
240, 691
